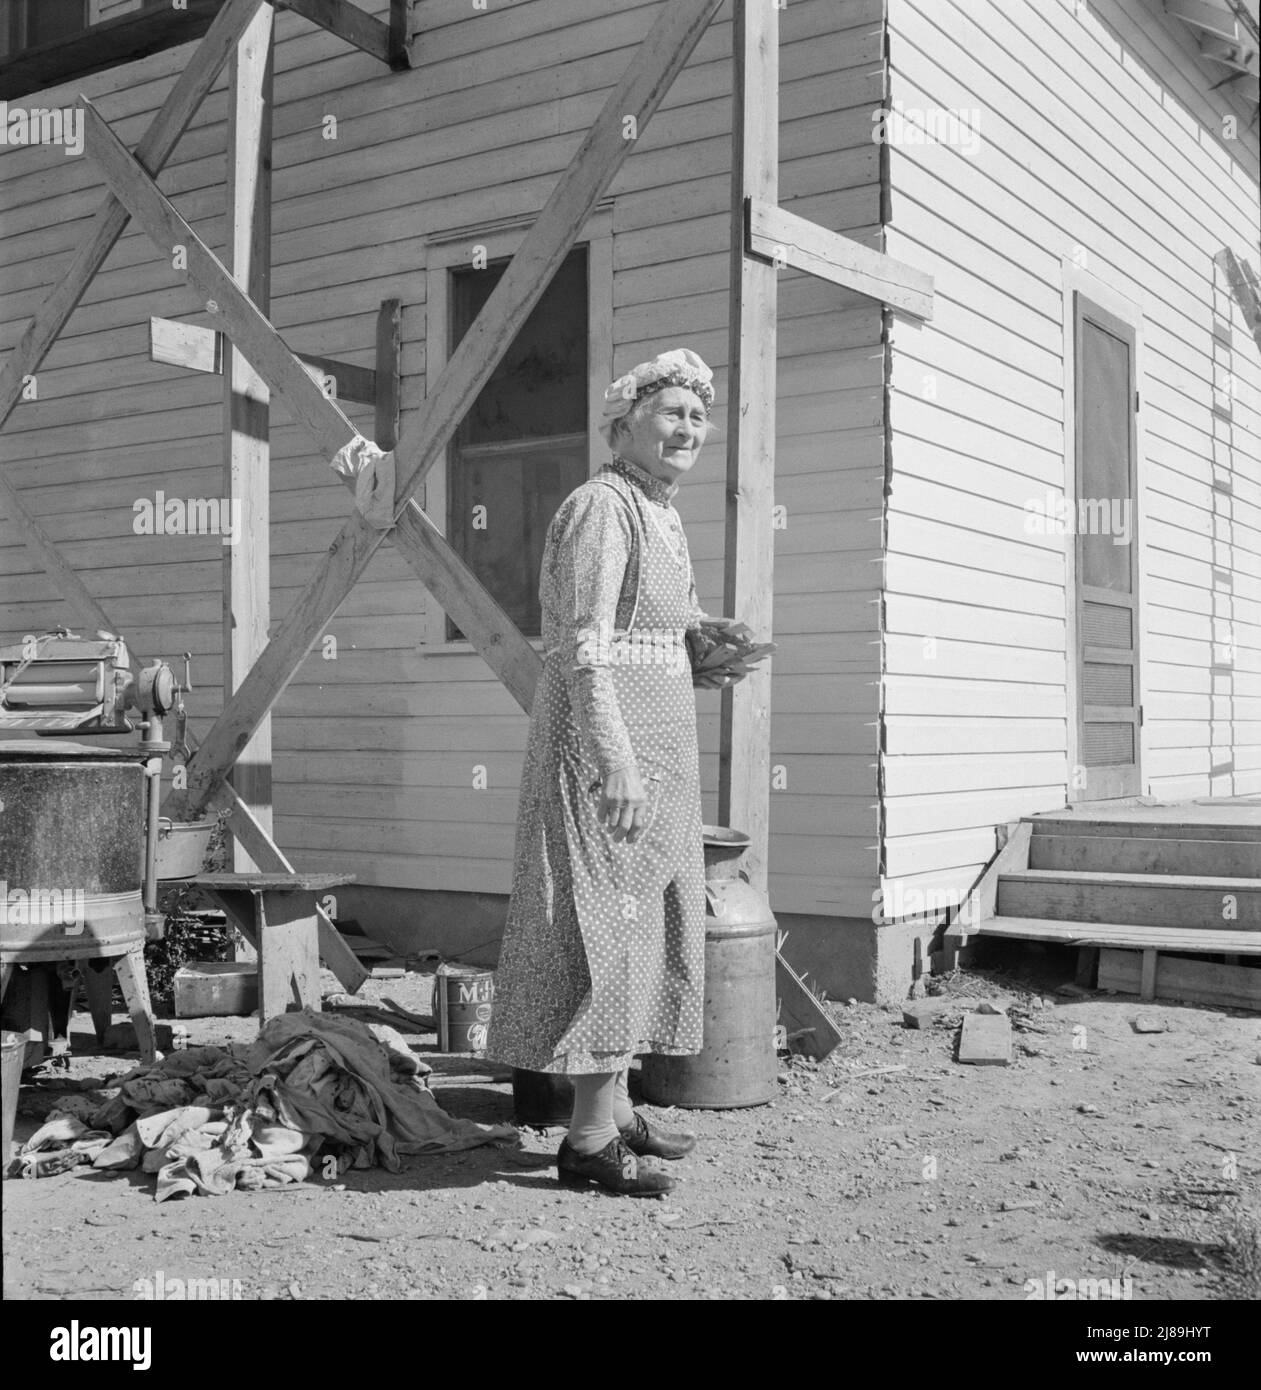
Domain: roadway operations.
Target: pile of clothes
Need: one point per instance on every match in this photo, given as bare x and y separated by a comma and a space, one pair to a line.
209, 1120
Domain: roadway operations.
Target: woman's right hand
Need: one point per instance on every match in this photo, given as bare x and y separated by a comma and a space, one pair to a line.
624, 804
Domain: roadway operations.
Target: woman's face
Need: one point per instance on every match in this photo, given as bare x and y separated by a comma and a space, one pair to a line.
664, 433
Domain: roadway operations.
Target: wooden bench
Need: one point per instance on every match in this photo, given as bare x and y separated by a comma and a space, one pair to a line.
275, 912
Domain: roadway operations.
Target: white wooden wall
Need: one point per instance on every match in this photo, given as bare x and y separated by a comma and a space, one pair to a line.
1100, 143
376, 751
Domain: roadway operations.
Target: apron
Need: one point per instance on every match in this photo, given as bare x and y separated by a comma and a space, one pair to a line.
641, 906
603, 951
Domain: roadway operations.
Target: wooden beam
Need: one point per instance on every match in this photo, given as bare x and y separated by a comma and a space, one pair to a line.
350, 24
338, 956
658, 60
786, 239
260, 846
246, 412
629, 108
424, 548
388, 400
469, 604
186, 345
65, 579
400, 51
201, 349
1211, 16
124, 39
1147, 985
802, 1014
347, 381
247, 328
744, 757
107, 225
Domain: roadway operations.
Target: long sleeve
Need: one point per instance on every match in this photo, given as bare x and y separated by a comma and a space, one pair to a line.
697, 615
593, 543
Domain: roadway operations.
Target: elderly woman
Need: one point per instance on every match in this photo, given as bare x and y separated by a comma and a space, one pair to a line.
603, 953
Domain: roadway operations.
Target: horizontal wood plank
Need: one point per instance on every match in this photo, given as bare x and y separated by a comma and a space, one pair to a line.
787, 239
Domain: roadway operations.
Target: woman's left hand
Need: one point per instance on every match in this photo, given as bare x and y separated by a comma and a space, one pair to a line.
623, 804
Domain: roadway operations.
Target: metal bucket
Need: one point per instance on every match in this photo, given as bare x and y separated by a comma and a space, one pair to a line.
71, 849
182, 847
12, 1055
541, 1098
462, 999
736, 1065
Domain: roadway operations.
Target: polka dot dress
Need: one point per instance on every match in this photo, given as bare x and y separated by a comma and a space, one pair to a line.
603, 952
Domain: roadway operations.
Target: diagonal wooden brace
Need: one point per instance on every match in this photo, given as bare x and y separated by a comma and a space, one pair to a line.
357, 27
339, 958
245, 324
652, 70
258, 844
154, 149
425, 549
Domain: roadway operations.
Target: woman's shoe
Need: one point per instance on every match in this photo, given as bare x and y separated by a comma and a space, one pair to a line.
614, 1167
641, 1138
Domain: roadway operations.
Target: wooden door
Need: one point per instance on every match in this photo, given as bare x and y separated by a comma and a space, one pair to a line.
1105, 518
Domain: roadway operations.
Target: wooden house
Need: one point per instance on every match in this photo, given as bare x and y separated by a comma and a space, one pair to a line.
955, 651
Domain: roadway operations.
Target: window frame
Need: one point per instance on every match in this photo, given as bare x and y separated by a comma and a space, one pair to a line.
15, 18
448, 251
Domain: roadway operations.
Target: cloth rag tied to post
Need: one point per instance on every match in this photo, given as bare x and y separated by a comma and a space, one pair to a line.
372, 472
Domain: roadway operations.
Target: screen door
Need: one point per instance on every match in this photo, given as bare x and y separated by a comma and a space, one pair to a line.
1106, 528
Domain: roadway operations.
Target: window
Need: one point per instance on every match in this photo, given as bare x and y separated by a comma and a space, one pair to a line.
29, 23
522, 449
532, 435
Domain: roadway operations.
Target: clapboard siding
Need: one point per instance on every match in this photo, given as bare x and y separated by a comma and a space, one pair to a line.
1099, 139
376, 750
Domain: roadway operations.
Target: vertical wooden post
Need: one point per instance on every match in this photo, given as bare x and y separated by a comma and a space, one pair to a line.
744, 749
389, 346
399, 58
246, 450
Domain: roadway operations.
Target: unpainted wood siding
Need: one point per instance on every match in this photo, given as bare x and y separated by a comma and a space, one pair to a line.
1100, 144
380, 753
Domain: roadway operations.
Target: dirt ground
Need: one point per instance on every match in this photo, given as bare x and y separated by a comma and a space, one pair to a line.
887, 1171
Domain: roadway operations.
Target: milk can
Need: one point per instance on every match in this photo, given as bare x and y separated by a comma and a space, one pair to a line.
737, 1063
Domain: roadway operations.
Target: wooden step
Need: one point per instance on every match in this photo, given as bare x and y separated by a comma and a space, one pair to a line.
1083, 850
1154, 976
1118, 934
1165, 900
1248, 831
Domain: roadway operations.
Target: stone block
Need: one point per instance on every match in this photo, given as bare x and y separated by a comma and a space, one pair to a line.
985, 1040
